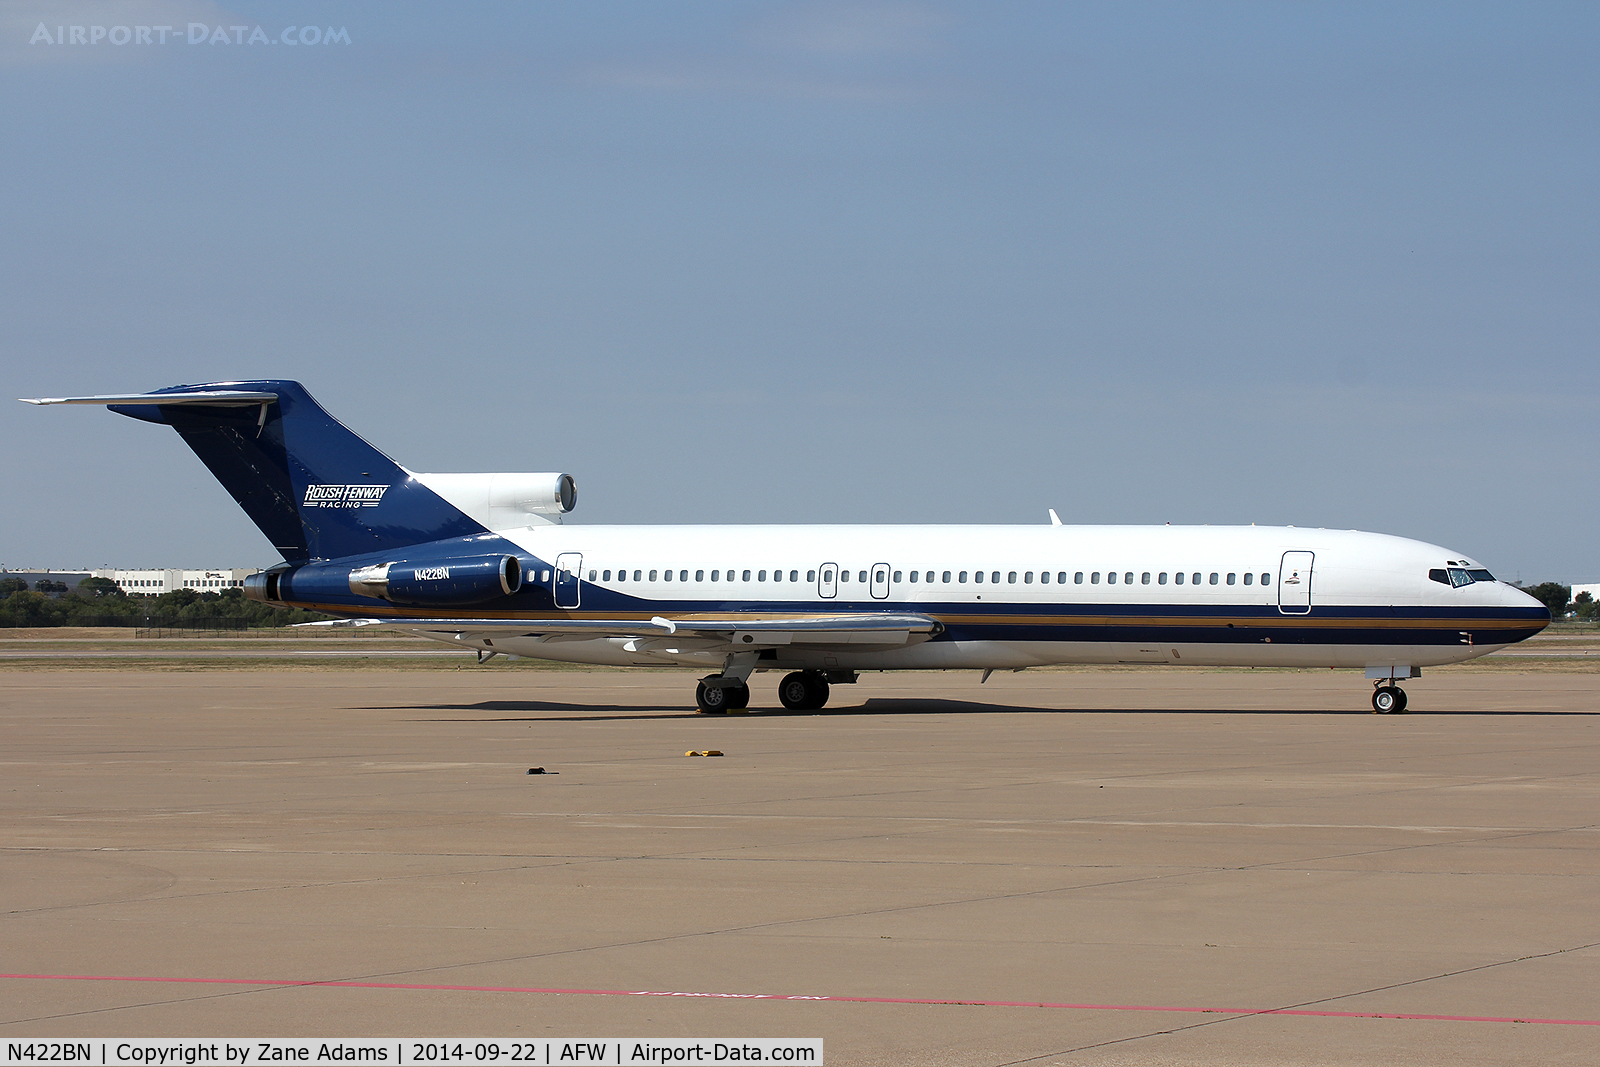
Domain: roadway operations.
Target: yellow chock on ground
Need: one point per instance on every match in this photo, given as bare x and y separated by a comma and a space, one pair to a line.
707, 752
691, 752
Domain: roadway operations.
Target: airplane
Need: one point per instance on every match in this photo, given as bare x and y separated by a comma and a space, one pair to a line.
484, 561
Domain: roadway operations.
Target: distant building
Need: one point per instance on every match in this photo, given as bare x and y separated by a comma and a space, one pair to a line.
148, 582
156, 582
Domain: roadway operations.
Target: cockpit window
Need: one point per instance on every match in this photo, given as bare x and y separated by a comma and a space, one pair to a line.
1459, 576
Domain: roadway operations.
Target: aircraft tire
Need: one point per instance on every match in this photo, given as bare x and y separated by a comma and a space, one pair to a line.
738, 697
803, 691
1388, 700
711, 701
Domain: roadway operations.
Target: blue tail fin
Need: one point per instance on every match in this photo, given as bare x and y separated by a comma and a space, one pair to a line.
314, 488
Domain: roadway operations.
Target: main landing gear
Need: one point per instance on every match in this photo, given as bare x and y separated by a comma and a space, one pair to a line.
803, 691
719, 699
1388, 699
718, 694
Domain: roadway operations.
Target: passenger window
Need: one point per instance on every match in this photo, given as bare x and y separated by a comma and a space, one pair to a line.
947, 578
913, 577
1144, 579
861, 576
1195, 580
591, 574
544, 576
811, 576
827, 574
1011, 577
1061, 577
1044, 577
961, 578
1094, 579
1161, 579
977, 576
683, 575
1213, 577
666, 576
844, 575
1230, 577
1178, 578
747, 576
1248, 577
1266, 579
897, 576
878, 576
699, 576
1027, 577
1111, 577
636, 575
1127, 579
761, 576
605, 576
794, 576
652, 576
715, 575
995, 577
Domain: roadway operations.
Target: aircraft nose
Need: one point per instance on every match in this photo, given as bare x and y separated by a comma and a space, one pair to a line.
1522, 599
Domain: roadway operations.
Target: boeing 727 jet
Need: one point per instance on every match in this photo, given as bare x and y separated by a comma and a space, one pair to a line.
484, 561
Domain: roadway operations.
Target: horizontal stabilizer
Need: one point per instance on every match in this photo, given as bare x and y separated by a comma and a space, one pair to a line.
212, 398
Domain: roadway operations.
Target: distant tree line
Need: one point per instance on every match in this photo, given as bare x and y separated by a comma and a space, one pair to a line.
99, 599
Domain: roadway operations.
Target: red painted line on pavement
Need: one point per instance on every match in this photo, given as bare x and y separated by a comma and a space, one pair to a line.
291, 983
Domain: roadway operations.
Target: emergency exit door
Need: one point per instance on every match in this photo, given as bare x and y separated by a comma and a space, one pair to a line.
1294, 583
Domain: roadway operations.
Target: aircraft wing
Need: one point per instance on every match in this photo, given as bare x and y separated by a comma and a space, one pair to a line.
738, 632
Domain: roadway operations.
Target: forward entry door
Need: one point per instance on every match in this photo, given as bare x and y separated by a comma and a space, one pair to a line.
568, 579
1294, 583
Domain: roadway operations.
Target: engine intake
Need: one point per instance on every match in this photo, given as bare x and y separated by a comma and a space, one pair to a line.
450, 582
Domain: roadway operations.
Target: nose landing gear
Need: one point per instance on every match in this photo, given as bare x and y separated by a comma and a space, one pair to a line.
1388, 699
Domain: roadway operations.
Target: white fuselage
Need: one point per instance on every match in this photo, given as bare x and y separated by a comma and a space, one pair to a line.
1207, 595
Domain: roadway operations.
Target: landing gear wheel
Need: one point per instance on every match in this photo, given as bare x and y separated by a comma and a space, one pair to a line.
1388, 700
720, 699
803, 691
711, 701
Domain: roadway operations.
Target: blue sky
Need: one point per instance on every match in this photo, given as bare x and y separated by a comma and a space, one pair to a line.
1329, 265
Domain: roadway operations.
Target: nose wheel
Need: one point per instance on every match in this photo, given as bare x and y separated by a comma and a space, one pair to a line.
1388, 699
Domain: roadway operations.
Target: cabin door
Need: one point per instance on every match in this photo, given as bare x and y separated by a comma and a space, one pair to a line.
569, 572
1294, 583
828, 581
880, 581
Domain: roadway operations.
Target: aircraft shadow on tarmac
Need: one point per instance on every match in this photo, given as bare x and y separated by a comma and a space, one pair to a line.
573, 711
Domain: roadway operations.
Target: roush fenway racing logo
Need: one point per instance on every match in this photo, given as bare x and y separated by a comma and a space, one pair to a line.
344, 496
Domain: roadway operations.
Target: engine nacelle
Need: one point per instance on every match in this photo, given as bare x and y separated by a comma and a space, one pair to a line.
506, 501
450, 582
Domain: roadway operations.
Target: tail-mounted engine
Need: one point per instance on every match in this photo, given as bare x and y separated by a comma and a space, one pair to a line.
449, 582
